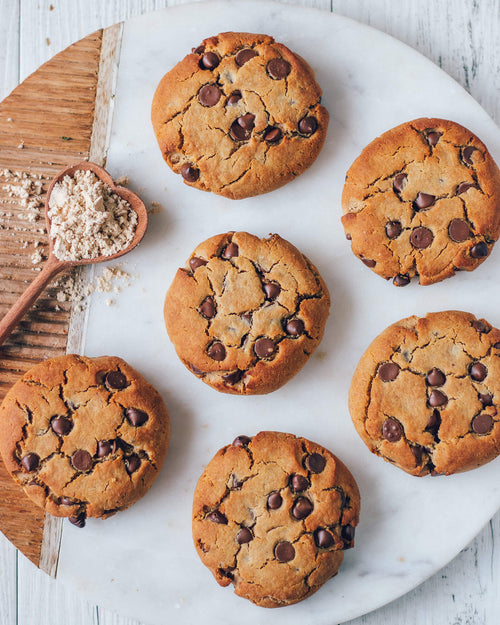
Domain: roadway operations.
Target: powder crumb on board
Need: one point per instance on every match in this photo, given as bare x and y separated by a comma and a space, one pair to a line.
154, 207
21, 144
88, 219
36, 257
122, 181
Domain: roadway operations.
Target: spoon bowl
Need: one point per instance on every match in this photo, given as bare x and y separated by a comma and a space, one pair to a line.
54, 265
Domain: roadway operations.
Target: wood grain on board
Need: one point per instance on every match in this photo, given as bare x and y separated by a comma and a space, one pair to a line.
46, 123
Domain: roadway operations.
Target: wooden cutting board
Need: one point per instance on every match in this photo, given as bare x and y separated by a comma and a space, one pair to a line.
58, 116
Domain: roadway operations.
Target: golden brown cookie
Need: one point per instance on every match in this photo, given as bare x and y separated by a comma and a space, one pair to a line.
84, 437
423, 199
424, 395
272, 515
239, 116
245, 314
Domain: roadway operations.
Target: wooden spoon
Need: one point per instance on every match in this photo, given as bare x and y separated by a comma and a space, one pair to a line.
53, 265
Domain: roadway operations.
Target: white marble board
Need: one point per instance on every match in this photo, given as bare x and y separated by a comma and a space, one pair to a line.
142, 562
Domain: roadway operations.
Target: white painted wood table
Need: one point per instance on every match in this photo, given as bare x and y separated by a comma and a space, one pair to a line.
462, 37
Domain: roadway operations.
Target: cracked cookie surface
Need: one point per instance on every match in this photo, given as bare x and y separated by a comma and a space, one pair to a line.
84, 437
239, 116
423, 199
424, 395
245, 313
272, 515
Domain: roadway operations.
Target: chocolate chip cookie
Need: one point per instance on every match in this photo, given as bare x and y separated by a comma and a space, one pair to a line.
245, 314
84, 437
424, 395
239, 116
423, 199
272, 515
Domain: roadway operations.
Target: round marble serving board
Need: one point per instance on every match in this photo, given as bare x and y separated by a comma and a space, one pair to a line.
141, 562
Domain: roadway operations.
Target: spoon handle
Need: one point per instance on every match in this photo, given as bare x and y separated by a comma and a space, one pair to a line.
52, 267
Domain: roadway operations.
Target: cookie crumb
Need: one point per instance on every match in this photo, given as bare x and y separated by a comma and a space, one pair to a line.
122, 181
154, 207
21, 144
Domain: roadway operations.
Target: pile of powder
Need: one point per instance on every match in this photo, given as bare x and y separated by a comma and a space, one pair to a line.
88, 219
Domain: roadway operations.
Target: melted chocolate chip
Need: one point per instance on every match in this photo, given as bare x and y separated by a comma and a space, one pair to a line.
209, 61
209, 95
233, 377
295, 327
315, 463
199, 50
217, 351
393, 229
61, 425
132, 463
81, 460
243, 56
465, 186
467, 154
237, 133
244, 536
278, 68
391, 430
79, 520
437, 398
480, 250
486, 399
284, 551
273, 135
434, 422
31, 461
347, 532
388, 371
458, 230
308, 126
272, 290
196, 262
231, 251
401, 280
423, 201
105, 448
217, 517
478, 371
432, 138
323, 538
274, 501
136, 417
421, 238
264, 347
480, 326
399, 182
417, 451
482, 423
435, 377
369, 262
115, 380
298, 483
234, 98
190, 173
301, 508
241, 441
207, 308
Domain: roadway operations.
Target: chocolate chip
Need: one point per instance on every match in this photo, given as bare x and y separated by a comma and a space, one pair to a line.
31, 461
209, 61
104, 448
482, 423
274, 501
199, 50
497, 345
238, 133
272, 290
478, 371
347, 532
417, 451
234, 98
348, 236
298, 483
196, 262
241, 441
61, 425
301, 508
67, 501
247, 121
421, 238
284, 551
368, 262
399, 182
391, 430
480, 326
388, 371
136, 417
79, 520
233, 377
295, 327
217, 517
423, 201
264, 347
244, 536
486, 399
273, 135
315, 463
308, 125
435, 377
190, 173
467, 154
217, 351
432, 138
115, 380
323, 538
81, 460
132, 463
278, 68
393, 229
231, 250
434, 422
465, 186
458, 230
207, 308
437, 398
209, 95
480, 250
401, 280
243, 56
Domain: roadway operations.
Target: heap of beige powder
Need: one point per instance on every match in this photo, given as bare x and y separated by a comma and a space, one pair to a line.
88, 219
